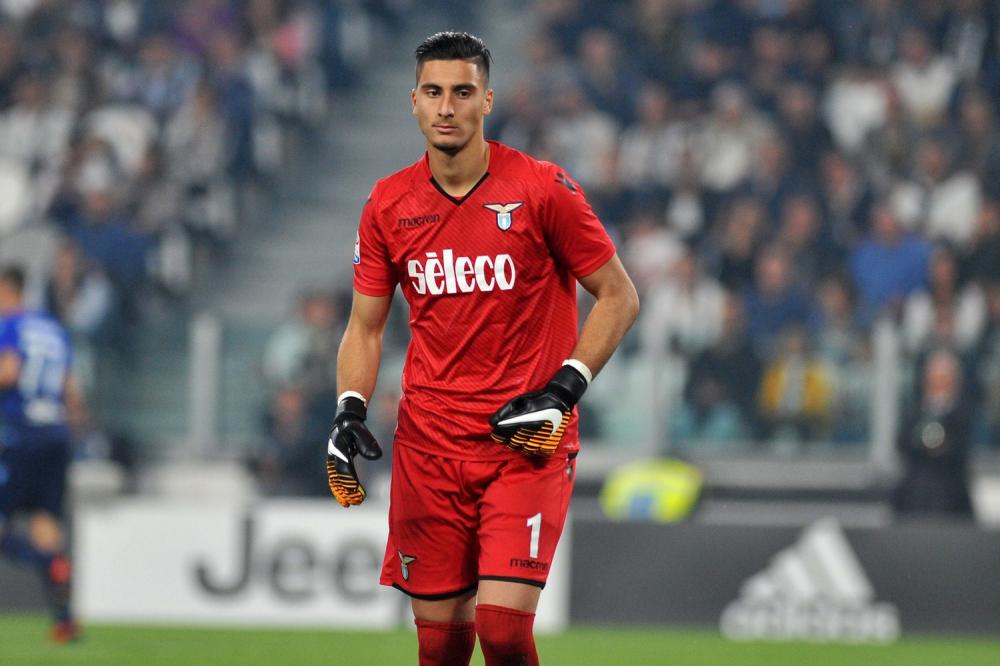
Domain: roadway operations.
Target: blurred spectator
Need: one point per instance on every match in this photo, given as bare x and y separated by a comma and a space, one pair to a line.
729, 140
845, 197
888, 265
105, 235
720, 397
684, 312
606, 77
837, 329
653, 150
944, 298
687, 209
649, 250
82, 298
289, 462
11, 64
656, 38
967, 34
869, 31
988, 368
303, 351
982, 258
521, 122
75, 83
34, 136
547, 67
846, 354
888, 147
978, 147
771, 50
856, 104
565, 20
796, 395
924, 79
815, 55
802, 233
773, 176
950, 197
738, 236
78, 295
709, 63
934, 442
195, 142
581, 138
160, 79
806, 135
775, 301
156, 200
235, 98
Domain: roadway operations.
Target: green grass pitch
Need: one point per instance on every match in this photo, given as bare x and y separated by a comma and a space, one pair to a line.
23, 641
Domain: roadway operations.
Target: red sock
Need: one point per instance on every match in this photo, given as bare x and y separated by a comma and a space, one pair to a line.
505, 635
445, 643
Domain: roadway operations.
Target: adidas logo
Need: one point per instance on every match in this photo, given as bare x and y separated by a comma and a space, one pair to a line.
815, 589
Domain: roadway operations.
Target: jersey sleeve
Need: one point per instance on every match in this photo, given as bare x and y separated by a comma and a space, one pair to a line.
575, 235
374, 272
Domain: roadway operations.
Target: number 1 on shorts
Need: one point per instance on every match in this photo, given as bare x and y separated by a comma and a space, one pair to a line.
535, 523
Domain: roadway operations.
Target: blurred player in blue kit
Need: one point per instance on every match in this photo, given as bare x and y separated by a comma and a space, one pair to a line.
37, 394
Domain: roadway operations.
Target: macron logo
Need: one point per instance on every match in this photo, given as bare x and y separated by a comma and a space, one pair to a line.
815, 589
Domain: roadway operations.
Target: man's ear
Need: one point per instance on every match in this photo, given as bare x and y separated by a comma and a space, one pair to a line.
413, 101
488, 102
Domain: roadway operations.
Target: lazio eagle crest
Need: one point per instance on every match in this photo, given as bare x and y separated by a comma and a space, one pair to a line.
503, 212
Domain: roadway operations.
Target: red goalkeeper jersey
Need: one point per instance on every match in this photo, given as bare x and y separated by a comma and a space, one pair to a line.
491, 283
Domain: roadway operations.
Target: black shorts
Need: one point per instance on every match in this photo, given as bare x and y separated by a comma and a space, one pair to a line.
33, 477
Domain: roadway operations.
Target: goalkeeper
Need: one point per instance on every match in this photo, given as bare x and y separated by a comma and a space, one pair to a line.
487, 246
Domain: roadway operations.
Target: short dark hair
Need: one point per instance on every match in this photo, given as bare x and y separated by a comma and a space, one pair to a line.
454, 46
13, 276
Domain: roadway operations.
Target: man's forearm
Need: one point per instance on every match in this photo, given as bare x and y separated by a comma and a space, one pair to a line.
608, 322
358, 362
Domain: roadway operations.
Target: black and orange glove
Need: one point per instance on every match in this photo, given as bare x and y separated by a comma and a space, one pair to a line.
349, 437
534, 423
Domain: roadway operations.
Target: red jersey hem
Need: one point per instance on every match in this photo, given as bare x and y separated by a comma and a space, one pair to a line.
501, 454
371, 291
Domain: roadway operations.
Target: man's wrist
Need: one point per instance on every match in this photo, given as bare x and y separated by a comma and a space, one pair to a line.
568, 384
581, 367
351, 405
352, 394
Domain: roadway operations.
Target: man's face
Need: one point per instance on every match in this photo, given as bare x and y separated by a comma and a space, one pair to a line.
450, 102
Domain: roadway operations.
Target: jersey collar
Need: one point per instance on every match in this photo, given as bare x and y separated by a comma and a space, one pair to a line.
458, 201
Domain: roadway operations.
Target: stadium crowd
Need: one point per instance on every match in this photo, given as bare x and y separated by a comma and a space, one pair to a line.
138, 138
779, 176
134, 133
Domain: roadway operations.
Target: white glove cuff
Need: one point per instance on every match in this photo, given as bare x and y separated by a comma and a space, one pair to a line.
581, 367
351, 394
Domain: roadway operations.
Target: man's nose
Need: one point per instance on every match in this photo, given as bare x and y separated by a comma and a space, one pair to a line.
445, 108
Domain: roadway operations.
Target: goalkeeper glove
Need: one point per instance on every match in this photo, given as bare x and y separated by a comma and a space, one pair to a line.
534, 423
349, 437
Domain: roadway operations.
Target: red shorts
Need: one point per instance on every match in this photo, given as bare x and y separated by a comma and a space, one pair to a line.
454, 522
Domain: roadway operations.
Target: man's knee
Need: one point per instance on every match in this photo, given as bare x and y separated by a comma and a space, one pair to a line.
506, 636
446, 633
445, 643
